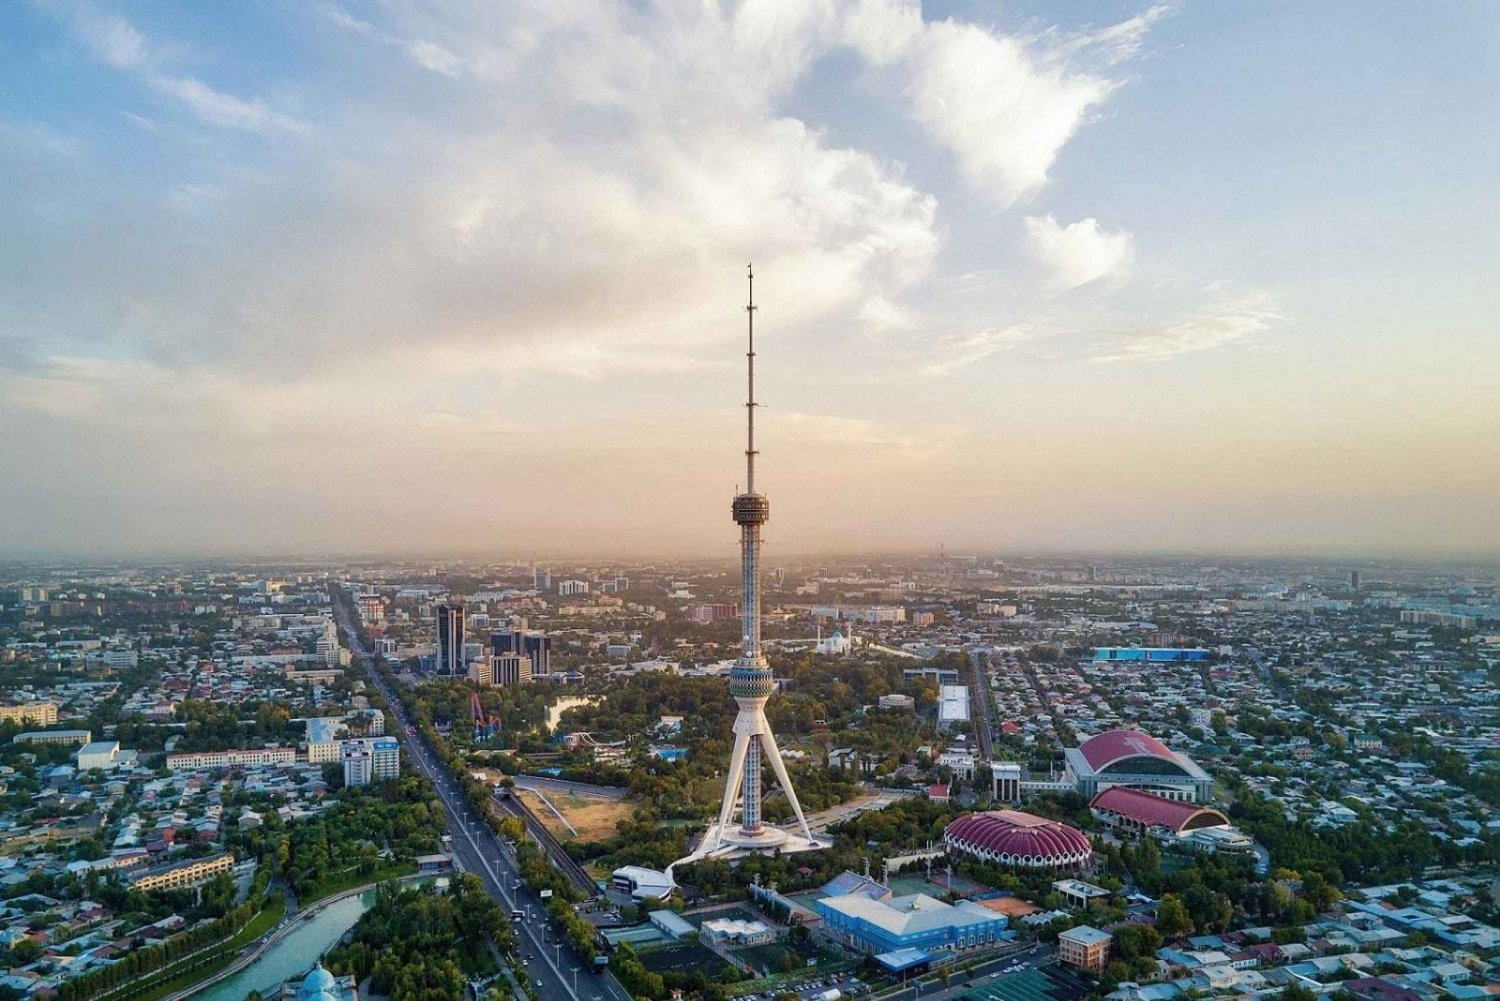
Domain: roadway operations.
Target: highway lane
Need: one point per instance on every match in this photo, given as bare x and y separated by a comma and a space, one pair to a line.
551, 962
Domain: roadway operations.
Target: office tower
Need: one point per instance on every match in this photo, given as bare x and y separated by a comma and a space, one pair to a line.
450, 641
508, 669
541, 580
482, 671
371, 759
534, 648
751, 683
1354, 580
568, 588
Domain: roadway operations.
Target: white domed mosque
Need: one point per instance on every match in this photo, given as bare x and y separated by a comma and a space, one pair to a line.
320, 985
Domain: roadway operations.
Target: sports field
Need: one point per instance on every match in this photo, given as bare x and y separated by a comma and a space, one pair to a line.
1048, 984
682, 958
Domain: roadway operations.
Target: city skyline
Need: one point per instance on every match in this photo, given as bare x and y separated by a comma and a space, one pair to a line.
1139, 278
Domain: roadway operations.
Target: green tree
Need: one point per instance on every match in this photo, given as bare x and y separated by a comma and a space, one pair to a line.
1172, 919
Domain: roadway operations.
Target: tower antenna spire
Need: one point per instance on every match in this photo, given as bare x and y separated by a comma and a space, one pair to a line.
750, 452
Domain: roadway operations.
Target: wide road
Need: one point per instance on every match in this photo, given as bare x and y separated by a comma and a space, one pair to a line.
550, 961
984, 724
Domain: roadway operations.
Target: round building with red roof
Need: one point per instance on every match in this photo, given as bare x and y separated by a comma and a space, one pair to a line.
1023, 840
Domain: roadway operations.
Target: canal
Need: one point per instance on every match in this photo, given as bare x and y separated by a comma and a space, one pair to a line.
295, 954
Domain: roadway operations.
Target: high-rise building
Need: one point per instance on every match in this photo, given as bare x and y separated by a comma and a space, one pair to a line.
482, 671
509, 669
535, 648
751, 684
371, 759
705, 613
1354, 580
568, 588
541, 580
450, 641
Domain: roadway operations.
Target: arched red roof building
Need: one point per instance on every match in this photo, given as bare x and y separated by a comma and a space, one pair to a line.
1113, 746
1134, 808
1024, 840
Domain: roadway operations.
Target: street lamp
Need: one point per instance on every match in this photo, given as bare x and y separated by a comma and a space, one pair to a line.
558, 946
575, 981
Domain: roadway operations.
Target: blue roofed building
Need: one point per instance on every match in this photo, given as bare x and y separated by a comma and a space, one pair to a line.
905, 962
914, 922
848, 882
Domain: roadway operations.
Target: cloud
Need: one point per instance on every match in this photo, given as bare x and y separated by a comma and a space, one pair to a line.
977, 347
1003, 110
560, 238
226, 110
1078, 253
430, 55
879, 314
112, 39
118, 43
1115, 43
1227, 322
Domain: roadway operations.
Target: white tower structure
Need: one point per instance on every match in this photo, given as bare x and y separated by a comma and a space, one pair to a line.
751, 684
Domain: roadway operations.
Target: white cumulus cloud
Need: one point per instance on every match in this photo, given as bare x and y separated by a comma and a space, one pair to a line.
1080, 252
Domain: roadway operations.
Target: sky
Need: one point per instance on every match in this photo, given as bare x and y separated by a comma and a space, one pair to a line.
458, 276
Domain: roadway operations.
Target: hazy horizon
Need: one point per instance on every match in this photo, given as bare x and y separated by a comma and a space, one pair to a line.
441, 278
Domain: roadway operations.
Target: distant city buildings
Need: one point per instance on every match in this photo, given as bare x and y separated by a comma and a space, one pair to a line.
570, 588
705, 613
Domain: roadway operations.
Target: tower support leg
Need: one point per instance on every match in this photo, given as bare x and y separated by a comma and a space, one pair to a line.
732, 786
768, 741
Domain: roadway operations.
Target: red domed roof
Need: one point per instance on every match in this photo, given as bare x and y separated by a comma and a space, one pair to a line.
1113, 745
1015, 838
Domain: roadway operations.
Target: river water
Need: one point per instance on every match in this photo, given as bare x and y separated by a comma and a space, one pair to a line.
295, 954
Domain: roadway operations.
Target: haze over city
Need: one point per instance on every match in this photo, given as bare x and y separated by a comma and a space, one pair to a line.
470, 277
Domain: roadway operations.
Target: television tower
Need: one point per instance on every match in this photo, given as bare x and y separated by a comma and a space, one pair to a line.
750, 680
